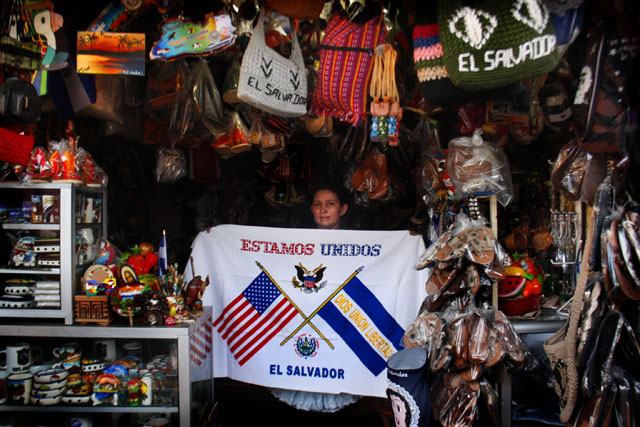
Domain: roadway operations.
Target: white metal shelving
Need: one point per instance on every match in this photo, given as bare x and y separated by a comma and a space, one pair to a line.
66, 230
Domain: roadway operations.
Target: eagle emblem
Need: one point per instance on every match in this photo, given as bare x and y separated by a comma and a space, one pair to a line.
309, 280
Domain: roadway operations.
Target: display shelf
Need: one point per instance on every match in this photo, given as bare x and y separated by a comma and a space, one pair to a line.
70, 199
188, 372
9, 270
27, 226
88, 409
52, 313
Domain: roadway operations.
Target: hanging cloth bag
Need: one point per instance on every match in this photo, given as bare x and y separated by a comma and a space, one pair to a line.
346, 64
496, 42
271, 82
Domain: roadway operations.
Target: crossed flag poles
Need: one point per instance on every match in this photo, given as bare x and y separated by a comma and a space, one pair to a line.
306, 319
258, 313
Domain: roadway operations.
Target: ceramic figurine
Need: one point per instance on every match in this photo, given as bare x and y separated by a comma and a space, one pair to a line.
154, 307
105, 390
194, 290
136, 391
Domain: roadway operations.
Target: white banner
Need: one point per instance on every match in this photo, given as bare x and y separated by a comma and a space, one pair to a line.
307, 309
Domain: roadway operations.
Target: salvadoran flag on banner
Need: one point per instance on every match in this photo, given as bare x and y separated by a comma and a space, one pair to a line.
370, 331
307, 309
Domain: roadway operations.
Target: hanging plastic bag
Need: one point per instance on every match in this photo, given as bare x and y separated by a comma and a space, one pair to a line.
169, 97
238, 135
256, 131
171, 165
207, 98
478, 167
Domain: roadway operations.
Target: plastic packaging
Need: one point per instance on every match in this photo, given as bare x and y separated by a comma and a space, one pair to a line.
207, 98
454, 402
238, 134
169, 97
171, 165
38, 168
62, 157
568, 169
92, 174
256, 131
477, 167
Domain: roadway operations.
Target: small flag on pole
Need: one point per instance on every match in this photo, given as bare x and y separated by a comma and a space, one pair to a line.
162, 256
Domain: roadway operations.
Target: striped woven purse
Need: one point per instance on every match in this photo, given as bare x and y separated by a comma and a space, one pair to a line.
346, 62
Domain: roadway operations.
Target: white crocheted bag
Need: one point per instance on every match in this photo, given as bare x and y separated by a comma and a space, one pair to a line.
271, 82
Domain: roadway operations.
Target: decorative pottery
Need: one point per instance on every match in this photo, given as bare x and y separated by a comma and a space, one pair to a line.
519, 306
18, 290
50, 375
98, 279
72, 398
46, 401
42, 394
105, 390
16, 301
126, 297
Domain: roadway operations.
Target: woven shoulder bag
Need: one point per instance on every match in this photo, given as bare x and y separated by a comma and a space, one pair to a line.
271, 82
346, 63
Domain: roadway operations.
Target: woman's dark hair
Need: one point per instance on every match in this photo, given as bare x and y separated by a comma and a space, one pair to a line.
334, 188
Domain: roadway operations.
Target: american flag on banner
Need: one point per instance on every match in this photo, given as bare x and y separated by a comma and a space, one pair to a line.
200, 343
254, 317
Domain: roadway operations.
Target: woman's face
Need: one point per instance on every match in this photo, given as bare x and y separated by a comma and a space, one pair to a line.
327, 210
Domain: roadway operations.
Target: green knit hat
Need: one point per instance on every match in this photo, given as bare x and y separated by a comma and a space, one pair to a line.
496, 42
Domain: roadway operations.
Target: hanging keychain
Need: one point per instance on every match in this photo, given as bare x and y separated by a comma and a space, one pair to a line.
395, 111
378, 109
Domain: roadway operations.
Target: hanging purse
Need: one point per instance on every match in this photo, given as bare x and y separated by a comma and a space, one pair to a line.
271, 82
603, 96
346, 63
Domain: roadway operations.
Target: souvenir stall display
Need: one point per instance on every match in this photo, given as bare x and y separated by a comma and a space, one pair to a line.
498, 137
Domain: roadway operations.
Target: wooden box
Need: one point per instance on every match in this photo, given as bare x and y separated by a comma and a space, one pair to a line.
93, 309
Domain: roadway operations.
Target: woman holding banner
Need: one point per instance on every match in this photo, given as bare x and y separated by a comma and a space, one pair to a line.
328, 207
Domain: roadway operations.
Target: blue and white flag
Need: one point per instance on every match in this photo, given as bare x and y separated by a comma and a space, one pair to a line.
369, 330
341, 302
162, 256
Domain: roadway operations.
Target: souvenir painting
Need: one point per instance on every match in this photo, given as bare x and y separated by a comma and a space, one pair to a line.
182, 37
126, 298
111, 53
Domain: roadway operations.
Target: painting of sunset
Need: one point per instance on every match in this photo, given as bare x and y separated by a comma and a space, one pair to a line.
111, 53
